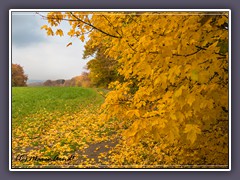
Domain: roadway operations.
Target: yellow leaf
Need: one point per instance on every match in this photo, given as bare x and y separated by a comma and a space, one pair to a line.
133, 129
191, 99
131, 113
180, 116
179, 49
155, 132
59, 32
82, 38
192, 130
194, 75
71, 32
173, 117
138, 136
157, 80
49, 32
171, 136
188, 114
147, 69
213, 46
178, 92
44, 27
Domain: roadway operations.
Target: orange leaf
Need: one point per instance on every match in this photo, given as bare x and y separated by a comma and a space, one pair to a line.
69, 44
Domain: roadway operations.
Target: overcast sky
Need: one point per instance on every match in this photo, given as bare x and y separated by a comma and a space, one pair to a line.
44, 57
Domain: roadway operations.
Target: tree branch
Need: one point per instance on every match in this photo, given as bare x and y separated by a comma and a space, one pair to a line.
79, 20
94, 27
186, 55
112, 25
131, 47
84, 33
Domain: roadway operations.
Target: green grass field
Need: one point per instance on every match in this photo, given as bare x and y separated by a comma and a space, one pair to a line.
50, 121
31, 100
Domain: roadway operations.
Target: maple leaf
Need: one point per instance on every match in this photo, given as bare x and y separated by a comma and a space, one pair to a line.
59, 32
192, 130
50, 32
44, 27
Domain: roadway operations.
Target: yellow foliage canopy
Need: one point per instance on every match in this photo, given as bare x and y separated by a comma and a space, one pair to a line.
175, 69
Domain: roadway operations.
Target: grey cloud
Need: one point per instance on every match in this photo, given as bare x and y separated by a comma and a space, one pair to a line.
45, 57
26, 30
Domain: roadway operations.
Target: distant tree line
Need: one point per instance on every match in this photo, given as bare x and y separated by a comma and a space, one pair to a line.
100, 75
81, 81
58, 82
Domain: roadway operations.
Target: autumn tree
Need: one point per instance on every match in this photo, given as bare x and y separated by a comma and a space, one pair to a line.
175, 70
85, 80
82, 80
67, 82
19, 78
103, 69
